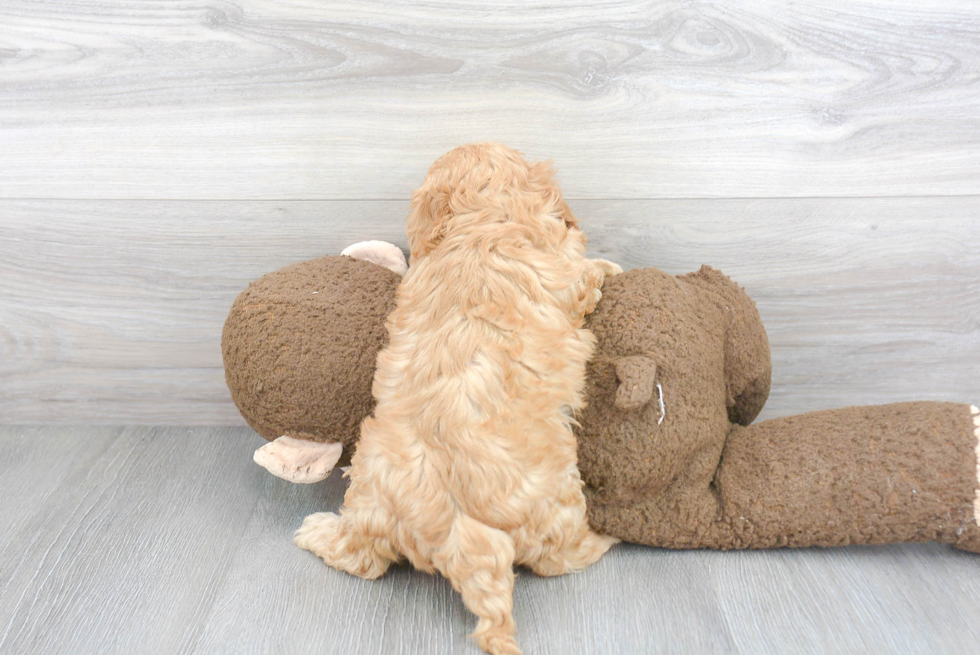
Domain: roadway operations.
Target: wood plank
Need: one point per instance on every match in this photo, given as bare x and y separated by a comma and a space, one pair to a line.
627, 594
305, 100
111, 312
124, 550
170, 540
868, 599
315, 609
299, 605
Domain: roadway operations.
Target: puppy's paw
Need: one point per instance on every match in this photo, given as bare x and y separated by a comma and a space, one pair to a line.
318, 534
608, 268
326, 536
591, 300
498, 642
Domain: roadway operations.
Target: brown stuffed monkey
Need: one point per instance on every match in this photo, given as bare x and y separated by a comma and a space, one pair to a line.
666, 449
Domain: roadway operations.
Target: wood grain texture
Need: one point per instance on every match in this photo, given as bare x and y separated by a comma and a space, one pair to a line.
633, 99
157, 156
171, 541
111, 312
125, 548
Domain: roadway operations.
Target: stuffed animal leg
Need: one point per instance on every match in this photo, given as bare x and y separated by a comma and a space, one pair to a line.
861, 475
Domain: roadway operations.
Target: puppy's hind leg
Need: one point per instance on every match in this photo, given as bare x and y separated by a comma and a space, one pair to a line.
346, 542
575, 546
360, 540
479, 562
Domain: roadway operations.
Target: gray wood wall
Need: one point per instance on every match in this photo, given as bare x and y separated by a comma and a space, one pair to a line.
155, 157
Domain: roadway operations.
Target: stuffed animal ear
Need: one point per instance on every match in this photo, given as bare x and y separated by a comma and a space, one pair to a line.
299, 460
379, 252
637, 378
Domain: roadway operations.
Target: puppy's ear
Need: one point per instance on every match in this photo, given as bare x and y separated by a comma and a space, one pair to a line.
427, 217
541, 179
567, 215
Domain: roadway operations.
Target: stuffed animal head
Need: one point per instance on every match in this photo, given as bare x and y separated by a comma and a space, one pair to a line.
299, 349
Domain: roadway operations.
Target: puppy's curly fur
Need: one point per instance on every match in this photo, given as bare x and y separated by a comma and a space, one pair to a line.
468, 465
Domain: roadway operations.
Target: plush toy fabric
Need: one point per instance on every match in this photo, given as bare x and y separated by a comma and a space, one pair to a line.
299, 347
666, 448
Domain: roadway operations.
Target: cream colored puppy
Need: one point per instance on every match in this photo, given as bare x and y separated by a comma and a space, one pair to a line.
468, 465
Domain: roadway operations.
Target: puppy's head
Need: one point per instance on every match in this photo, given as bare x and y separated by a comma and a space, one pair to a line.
481, 176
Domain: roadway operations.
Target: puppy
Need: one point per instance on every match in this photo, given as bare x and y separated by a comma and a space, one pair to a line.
468, 465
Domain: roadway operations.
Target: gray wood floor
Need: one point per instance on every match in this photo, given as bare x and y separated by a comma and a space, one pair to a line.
170, 540
156, 157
